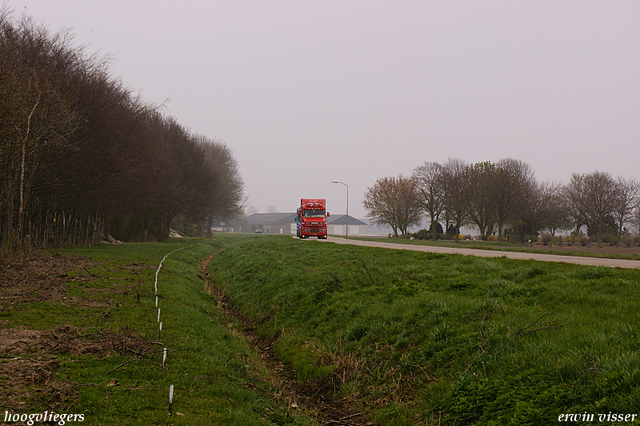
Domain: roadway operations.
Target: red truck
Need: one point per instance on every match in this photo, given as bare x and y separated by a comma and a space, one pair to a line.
311, 218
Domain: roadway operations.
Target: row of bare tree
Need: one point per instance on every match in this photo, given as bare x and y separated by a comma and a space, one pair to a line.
81, 157
494, 197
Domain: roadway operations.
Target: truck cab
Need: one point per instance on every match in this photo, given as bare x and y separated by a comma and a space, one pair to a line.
311, 218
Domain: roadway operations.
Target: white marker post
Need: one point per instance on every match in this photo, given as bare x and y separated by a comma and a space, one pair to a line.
160, 331
158, 315
170, 399
164, 358
156, 301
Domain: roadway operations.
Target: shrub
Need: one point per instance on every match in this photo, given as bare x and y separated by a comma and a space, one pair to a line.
628, 240
577, 237
422, 234
546, 238
611, 239
426, 234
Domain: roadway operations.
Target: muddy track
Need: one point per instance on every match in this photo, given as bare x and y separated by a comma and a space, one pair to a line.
315, 399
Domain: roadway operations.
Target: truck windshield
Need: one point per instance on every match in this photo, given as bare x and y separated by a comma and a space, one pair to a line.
313, 213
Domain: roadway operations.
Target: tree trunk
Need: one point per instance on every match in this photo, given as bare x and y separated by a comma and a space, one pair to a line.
21, 190
600, 220
209, 223
22, 169
433, 228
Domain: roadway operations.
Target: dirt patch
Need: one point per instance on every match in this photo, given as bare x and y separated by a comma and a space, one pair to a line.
26, 367
315, 398
39, 278
27, 383
26, 373
17, 340
30, 358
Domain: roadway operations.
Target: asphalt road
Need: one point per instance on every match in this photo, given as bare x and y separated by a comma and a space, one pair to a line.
578, 260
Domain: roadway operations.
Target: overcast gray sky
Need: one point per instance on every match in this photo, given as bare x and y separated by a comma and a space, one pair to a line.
305, 92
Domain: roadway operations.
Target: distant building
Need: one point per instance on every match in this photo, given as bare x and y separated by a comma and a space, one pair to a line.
270, 223
336, 225
285, 223
222, 226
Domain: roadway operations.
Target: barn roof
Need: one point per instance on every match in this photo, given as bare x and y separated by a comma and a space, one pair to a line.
341, 219
271, 218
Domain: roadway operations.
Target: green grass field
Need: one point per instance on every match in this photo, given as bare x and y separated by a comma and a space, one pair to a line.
110, 305
419, 338
393, 337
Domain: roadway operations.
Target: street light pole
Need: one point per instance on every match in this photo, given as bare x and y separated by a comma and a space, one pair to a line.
346, 232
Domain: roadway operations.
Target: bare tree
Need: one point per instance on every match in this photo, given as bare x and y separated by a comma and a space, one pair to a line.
511, 185
481, 208
227, 195
574, 197
628, 191
541, 208
394, 202
428, 179
40, 119
79, 154
557, 215
456, 179
601, 195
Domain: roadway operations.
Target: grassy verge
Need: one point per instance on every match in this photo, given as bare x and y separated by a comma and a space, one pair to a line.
94, 347
421, 338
